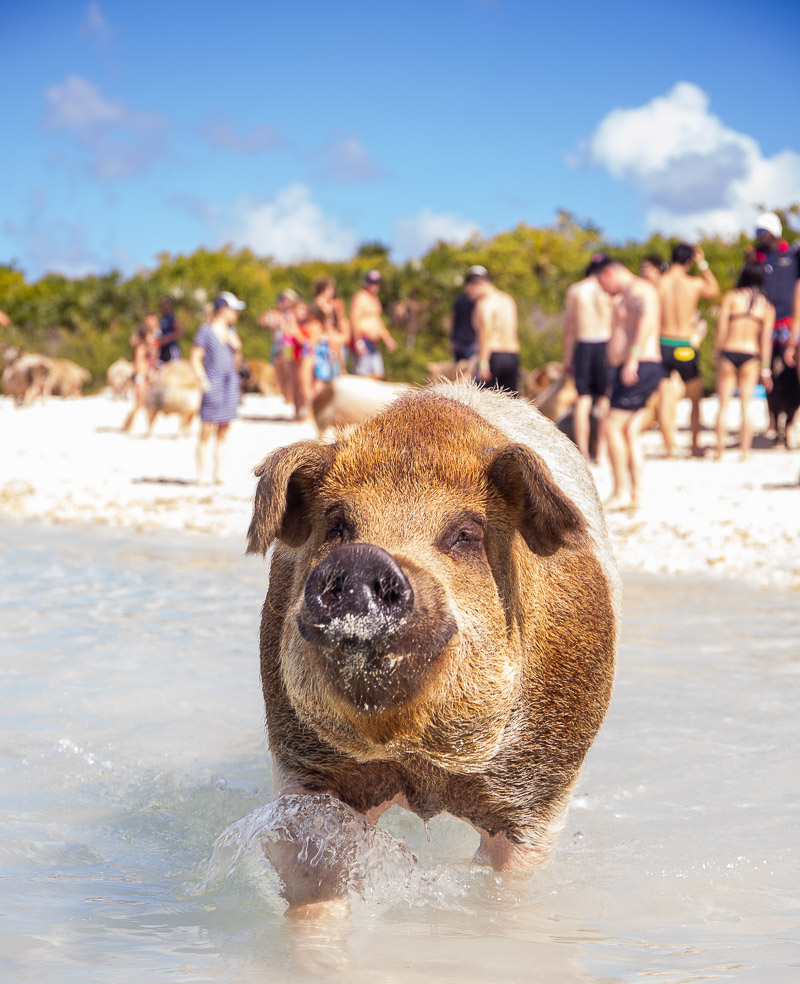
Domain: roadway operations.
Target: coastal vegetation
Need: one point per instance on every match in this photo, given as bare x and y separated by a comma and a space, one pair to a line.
90, 319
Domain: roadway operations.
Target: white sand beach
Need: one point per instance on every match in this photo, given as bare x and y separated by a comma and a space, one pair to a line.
66, 461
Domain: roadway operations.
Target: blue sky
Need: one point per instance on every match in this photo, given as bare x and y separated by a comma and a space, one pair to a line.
303, 130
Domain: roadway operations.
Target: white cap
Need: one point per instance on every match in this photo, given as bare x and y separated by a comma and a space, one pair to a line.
226, 299
477, 271
770, 222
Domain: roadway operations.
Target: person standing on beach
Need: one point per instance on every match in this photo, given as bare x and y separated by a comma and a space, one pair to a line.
634, 350
652, 268
169, 331
337, 326
743, 348
679, 293
145, 355
781, 264
216, 357
496, 328
587, 329
366, 322
462, 330
281, 322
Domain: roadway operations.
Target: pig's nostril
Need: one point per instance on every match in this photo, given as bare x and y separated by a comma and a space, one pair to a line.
386, 591
333, 589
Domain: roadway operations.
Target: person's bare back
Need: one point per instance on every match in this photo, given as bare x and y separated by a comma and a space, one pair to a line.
636, 323
496, 321
588, 311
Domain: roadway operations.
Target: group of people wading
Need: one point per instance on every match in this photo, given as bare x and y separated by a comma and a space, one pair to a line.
631, 337
313, 342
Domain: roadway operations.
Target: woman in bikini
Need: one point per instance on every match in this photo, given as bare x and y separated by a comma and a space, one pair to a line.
743, 349
145, 354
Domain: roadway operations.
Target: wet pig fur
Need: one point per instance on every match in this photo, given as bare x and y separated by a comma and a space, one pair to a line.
441, 621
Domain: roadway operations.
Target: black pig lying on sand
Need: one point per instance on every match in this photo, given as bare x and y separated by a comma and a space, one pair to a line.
441, 622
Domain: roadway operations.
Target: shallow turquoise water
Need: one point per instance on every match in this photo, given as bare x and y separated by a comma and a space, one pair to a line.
131, 737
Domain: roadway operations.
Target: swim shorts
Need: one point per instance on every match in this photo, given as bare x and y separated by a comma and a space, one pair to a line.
678, 355
504, 367
369, 362
634, 397
593, 375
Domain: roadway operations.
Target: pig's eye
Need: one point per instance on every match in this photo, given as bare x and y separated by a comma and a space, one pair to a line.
464, 537
339, 530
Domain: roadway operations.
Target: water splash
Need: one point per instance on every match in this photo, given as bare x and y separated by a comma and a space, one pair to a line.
380, 868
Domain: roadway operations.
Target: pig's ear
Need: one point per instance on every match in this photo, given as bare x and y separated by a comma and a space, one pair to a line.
288, 478
544, 516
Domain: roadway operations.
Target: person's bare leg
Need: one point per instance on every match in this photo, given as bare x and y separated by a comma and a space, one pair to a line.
601, 415
749, 375
202, 447
694, 390
219, 447
618, 456
581, 423
138, 403
667, 402
633, 433
726, 383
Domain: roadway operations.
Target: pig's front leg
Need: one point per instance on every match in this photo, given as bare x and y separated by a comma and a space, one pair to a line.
316, 844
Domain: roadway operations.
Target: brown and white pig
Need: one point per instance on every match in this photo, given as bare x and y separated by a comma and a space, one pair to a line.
351, 399
441, 622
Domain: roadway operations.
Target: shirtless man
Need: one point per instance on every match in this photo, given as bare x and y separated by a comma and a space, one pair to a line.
679, 293
652, 268
495, 320
587, 329
366, 320
634, 349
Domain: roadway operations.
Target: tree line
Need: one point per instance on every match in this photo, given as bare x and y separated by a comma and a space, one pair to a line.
90, 319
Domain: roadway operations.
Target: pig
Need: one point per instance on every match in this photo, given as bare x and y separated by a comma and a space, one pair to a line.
783, 401
351, 399
258, 376
441, 623
173, 388
24, 374
119, 376
66, 378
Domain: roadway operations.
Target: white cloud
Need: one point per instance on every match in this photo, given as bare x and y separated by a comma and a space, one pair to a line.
95, 26
697, 174
414, 236
51, 245
221, 132
290, 228
77, 105
120, 141
345, 160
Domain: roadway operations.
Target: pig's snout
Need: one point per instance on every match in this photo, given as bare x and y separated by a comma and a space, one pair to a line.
357, 593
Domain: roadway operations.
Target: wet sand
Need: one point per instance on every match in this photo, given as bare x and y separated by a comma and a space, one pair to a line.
66, 461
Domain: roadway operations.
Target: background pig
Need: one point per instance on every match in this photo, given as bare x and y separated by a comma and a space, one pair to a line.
173, 388
350, 399
66, 378
119, 376
441, 622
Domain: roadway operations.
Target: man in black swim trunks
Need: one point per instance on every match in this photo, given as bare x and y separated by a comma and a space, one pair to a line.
634, 349
587, 329
495, 320
679, 293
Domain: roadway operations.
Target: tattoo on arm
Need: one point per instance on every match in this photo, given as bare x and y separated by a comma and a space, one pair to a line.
636, 307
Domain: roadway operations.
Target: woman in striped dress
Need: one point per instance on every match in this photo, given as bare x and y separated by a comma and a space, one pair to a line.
216, 357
